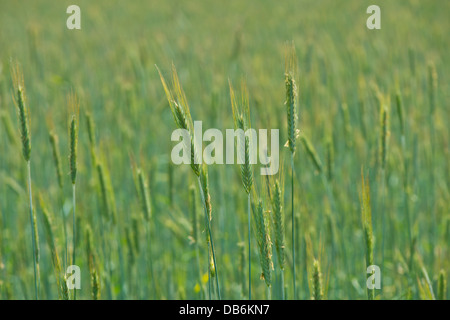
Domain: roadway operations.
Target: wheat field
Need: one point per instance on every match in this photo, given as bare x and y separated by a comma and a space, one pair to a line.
86, 176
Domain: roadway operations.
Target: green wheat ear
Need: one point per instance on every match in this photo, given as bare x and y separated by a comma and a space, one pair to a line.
20, 102
291, 96
278, 223
241, 117
73, 149
22, 110
366, 217
56, 157
95, 281
442, 286
10, 132
181, 112
264, 242
311, 151
103, 189
205, 186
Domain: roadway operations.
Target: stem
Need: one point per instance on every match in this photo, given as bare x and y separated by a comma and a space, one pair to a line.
269, 293
208, 224
293, 223
249, 254
74, 234
282, 284
36, 280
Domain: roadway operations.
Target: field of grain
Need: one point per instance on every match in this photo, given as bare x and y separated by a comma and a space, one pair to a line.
86, 138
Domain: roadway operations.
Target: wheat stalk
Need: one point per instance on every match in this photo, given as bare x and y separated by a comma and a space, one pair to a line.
292, 118
241, 117
182, 116
73, 105
22, 110
264, 244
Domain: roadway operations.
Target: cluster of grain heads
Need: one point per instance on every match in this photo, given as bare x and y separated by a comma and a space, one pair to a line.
264, 244
278, 228
182, 116
292, 118
22, 111
317, 288
73, 105
181, 113
241, 116
366, 217
93, 270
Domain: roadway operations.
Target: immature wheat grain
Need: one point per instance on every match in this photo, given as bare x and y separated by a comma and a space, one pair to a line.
442, 286
241, 117
311, 151
330, 158
264, 244
10, 132
73, 105
317, 281
278, 223
103, 191
145, 201
182, 116
56, 157
291, 107
146, 208
20, 102
384, 125
366, 217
